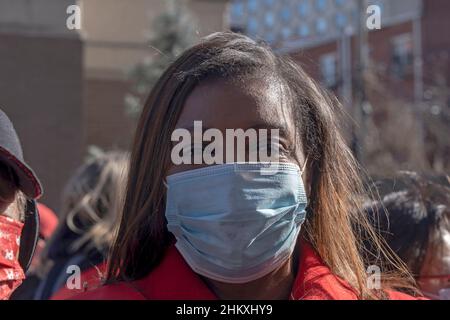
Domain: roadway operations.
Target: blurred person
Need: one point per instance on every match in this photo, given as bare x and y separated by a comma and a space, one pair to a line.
417, 228
19, 186
226, 231
48, 222
85, 231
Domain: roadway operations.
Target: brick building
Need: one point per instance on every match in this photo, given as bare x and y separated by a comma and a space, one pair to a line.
322, 36
405, 65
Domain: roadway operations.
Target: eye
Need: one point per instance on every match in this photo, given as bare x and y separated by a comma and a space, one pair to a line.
192, 149
272, 148
205, 144
280, 147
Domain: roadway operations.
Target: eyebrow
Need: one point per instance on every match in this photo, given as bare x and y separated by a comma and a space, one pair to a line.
281, 127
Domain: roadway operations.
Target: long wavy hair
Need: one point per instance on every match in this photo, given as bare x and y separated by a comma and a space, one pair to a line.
335, 226
91, 203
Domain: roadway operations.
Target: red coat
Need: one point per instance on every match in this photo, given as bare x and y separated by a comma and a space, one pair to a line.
90, 279
173, 279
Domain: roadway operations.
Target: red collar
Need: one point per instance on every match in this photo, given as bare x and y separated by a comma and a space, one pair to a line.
173, 279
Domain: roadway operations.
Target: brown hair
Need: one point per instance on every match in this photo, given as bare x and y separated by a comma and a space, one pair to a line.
335, 222
419, 215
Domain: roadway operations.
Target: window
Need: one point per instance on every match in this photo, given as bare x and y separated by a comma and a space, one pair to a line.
304, 31
341, 20
303, 9
286, 13
252, 5
252, 26
269, 19
286, 32
321, 5
237, 9
402, 55
321, 25
328, 70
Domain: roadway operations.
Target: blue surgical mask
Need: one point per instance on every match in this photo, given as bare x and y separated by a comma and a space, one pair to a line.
236, 222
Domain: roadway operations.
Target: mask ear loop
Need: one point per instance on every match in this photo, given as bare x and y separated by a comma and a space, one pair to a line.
308, 208
304, 165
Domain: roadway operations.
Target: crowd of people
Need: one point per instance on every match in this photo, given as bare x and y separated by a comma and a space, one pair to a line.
138, 226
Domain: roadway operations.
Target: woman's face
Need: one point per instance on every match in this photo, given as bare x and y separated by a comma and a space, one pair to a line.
223, 105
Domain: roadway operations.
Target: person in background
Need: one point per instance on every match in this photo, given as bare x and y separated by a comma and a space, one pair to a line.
47, 226
48, 223
84, 234
417, 228
18, 184
228, 230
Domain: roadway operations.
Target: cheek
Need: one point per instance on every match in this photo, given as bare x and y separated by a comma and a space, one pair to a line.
7, 196
3, 207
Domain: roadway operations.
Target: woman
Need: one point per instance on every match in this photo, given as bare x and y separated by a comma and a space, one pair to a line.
84, 234
227, 231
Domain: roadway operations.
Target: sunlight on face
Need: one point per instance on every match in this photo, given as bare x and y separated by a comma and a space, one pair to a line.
223, 105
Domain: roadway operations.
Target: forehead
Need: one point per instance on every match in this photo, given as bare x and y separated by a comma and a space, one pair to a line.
222, 104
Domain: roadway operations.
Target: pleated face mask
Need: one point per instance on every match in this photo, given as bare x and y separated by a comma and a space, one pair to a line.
234, 222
